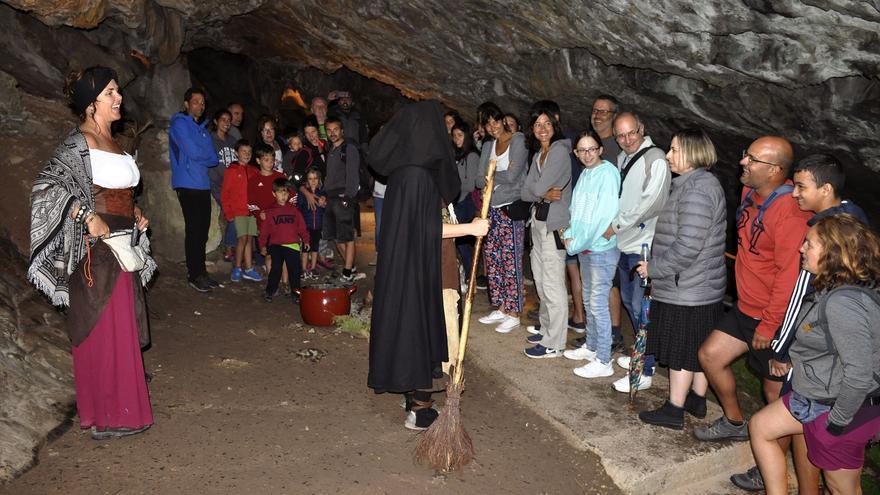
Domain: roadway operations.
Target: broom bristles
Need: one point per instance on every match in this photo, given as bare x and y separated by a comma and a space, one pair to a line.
446, 445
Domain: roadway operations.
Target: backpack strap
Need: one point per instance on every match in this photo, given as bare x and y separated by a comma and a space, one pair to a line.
823, 318
632, 162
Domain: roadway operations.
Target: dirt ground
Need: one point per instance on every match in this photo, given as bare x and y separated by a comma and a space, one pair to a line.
237, 411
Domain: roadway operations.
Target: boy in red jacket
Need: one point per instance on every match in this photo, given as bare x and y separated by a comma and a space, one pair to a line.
260, 195
234, 199
282, 229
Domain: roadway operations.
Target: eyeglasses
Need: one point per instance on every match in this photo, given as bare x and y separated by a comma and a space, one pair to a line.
631, 134
584, 151
599, 111
753, 160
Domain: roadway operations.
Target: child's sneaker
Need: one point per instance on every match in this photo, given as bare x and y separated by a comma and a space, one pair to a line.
252, 275
236, 275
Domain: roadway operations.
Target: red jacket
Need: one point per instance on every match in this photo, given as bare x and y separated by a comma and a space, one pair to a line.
260, 192
284, 224
234, 193
764, 281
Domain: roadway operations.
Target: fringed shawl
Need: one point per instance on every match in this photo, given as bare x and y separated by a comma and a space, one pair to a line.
57, 242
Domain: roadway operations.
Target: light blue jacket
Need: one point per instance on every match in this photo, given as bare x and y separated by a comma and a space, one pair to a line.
594, 204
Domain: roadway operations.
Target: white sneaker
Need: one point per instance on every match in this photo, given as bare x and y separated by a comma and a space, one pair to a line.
594, 369
493, 317
623, 362
508, 324
533, 329
622, 385
580, 354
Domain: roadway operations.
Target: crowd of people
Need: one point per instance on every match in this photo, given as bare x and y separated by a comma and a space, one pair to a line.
320, 168
591, 206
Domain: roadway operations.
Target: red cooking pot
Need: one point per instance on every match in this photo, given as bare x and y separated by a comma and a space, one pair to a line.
318, 304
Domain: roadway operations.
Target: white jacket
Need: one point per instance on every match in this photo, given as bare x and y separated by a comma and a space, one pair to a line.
645, 191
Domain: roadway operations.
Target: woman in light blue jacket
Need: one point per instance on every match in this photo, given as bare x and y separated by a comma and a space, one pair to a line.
594, 204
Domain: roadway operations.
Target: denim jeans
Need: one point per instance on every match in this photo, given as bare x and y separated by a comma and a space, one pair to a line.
230, 239
597, 273
631, 293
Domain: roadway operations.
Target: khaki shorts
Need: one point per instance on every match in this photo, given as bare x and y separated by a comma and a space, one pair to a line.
245, 226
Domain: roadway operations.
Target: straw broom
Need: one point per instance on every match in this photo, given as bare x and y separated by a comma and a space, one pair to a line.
446, 445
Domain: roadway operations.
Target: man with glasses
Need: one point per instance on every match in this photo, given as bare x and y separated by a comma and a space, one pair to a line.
604, 111
770, 229
645, 181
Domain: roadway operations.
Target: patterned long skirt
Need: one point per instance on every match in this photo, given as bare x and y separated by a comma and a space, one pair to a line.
503, 252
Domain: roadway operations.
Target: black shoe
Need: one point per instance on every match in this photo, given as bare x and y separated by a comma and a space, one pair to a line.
618, 347
482, 282
577, 327
211, 282
668, 416
750, 481
421, 419
267, 298
580, 340
695, 405
200, 285
295, 298
533, 314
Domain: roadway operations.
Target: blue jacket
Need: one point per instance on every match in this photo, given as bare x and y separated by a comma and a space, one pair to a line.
314, 218
191, 153
594, 204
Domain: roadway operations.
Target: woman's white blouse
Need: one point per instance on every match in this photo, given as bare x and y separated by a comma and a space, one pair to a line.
113, 170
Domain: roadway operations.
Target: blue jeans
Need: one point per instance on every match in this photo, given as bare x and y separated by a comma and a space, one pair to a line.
631, 293
231, 238
597, 272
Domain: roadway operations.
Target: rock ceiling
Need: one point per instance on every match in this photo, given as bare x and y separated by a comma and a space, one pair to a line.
807, 69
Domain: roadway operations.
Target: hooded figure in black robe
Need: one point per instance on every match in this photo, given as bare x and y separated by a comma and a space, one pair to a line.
407, 332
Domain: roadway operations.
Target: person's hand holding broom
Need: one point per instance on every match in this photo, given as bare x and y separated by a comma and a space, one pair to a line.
446, 445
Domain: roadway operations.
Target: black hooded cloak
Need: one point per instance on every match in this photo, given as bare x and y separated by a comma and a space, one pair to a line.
407, 332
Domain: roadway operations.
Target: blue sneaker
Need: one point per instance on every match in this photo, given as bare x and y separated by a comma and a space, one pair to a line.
540, 352
252, 275
535, 339
236, 275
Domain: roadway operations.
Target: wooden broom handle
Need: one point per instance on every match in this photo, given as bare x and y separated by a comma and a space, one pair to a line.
469, 298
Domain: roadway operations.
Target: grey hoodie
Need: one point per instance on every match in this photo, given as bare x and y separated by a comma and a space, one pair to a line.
846, 373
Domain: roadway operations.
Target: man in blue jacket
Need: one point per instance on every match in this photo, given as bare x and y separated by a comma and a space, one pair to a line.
191, 155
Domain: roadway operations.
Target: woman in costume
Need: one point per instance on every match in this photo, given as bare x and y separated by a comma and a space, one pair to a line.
84, 193
407, 332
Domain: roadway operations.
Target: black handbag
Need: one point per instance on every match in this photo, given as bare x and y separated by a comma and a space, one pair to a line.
542, 209
518, 210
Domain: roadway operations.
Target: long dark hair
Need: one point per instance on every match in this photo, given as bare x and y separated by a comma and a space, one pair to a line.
534, 144
467, 146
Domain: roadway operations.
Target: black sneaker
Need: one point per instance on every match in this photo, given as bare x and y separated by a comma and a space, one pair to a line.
421, 419
482, 282
200, 285
723, 429
267, 298
695, 405
750, 481
667, 416
619, 348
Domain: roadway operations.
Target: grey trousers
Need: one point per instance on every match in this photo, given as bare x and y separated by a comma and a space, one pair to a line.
548, 269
